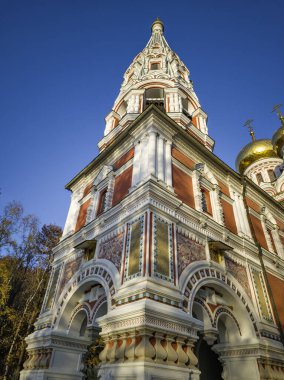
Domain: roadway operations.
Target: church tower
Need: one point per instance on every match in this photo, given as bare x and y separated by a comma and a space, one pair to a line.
171, 264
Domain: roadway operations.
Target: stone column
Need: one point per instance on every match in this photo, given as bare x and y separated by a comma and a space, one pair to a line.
171, 103
168, 163
152, 152
160, 158
136, 164
144, 160
131, 104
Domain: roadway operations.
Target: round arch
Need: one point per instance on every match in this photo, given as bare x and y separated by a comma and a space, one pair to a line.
200, 275
90, 274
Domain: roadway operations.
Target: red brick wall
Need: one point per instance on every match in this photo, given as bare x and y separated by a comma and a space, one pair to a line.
123, 159
252, 204
87, 189
182, 184
183, 159
122, 185
258, 231
224, 188
229, 216
277, 288
81, 220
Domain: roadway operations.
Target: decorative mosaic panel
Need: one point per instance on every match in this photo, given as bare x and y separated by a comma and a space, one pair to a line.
163, 249
111, 250
240, 274
134, 248
70, 268
188, 251
52, 288
261, 295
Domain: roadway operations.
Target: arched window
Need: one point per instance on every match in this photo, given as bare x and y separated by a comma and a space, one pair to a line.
271, 175
259, 178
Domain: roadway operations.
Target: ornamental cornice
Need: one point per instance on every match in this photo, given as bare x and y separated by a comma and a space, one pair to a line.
61, 342
270, 351
144, 321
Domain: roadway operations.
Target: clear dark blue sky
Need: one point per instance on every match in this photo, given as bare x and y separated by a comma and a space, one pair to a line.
61, 66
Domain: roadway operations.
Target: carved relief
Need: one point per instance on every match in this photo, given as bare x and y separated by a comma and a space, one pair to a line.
188, 251
111, 250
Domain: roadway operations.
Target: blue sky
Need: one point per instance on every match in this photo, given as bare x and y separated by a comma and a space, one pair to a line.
62, 63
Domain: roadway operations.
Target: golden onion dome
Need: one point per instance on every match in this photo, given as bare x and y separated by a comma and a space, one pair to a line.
253, 152
278, 142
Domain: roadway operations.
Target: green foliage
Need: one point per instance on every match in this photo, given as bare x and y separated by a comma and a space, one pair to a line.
25, 258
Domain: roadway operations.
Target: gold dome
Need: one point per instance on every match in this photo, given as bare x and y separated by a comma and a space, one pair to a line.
253, 152
278, 142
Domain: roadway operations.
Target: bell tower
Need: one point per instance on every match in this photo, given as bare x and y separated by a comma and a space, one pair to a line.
157, 76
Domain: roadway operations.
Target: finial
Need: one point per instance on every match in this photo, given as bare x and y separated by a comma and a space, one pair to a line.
277, 110
250, 127
158, 25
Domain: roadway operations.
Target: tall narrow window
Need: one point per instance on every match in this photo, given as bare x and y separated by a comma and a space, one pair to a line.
271, 175
101, 203
259, 178
205, 201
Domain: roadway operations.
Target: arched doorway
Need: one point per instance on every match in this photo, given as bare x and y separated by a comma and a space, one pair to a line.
228, 322
77, 356
208, 361
92, 305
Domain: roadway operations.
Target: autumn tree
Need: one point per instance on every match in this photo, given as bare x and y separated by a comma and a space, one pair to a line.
25, 261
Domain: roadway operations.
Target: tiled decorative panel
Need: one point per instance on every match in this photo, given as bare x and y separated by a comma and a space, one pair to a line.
261, 295
111, 249
188, 251
134, 248
163, 249
70, 268
239, 272
52, 288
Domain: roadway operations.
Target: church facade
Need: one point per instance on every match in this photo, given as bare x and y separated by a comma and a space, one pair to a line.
171, 264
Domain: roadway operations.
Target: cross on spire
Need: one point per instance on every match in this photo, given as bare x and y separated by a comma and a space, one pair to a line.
279, 113
250, 127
